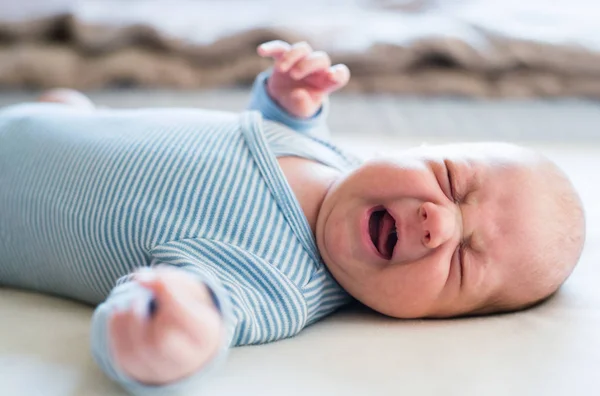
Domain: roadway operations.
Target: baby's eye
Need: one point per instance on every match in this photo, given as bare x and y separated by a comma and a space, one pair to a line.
458, 254
455, 195
451, 183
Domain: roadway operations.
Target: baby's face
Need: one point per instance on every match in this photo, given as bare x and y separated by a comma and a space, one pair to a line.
441, 231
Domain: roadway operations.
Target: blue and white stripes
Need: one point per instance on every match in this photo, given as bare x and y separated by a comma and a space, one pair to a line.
87, 197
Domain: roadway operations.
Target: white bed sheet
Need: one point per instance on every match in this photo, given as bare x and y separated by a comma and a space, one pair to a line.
552, 350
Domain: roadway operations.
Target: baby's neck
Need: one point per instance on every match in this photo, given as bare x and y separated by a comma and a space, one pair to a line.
310, 182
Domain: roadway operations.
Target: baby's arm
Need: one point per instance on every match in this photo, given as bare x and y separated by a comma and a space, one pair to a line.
295, 91
256, 303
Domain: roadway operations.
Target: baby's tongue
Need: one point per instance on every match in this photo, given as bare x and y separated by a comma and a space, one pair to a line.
386, 226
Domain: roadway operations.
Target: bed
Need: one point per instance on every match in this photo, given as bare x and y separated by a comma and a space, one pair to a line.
553, 349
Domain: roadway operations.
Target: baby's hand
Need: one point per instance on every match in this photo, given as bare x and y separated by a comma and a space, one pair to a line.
301, 78
182, 335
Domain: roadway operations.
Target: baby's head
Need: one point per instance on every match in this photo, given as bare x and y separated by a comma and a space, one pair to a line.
452, 230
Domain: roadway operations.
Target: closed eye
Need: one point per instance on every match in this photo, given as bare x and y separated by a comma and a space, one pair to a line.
460, 251
452, 183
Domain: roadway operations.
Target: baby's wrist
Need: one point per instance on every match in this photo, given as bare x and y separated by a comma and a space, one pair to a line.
273, 95
295, 112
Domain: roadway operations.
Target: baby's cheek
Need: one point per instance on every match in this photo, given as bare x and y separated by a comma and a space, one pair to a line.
375, 180
430, 280
337, 241
417, 287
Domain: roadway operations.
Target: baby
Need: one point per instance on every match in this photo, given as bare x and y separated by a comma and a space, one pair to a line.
223, 229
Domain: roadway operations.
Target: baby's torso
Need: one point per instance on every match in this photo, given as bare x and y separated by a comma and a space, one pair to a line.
85, 197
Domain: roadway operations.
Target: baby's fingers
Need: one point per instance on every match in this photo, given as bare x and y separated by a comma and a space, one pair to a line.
177, 296
339, 75
274, 49
296, 53
127, 330
156, 280
316, 61
335, 78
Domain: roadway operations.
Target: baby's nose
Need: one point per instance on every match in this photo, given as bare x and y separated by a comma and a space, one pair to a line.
438, 224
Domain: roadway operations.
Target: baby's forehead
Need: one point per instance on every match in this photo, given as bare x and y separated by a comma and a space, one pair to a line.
511, 258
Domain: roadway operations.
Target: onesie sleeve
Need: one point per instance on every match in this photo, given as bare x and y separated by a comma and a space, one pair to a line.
270, 110
258, 305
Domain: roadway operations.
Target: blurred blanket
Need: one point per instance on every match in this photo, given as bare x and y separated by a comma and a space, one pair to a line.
474, 48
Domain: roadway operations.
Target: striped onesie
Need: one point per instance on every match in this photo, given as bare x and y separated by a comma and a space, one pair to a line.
88, 197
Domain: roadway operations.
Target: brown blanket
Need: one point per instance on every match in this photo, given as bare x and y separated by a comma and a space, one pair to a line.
65, 51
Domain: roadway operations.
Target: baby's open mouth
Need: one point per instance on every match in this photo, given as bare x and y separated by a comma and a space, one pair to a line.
382, 229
